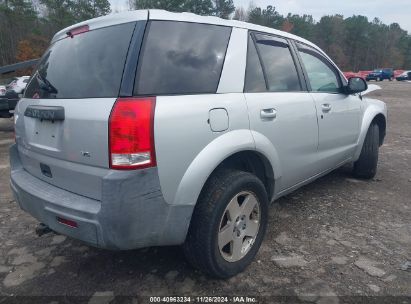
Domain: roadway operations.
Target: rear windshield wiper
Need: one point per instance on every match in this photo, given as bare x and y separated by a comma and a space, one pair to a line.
45, 84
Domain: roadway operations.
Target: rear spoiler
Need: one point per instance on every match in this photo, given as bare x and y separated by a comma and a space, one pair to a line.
18, 66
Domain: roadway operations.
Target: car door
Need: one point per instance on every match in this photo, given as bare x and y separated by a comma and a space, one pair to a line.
338, 113
280, 108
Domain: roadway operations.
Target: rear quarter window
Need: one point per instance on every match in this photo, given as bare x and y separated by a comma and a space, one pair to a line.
89, 65
181, 58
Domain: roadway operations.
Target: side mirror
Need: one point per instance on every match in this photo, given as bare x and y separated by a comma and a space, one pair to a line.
356, 85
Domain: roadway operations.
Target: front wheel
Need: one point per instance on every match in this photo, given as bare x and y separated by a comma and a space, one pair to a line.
366, 166
228, 224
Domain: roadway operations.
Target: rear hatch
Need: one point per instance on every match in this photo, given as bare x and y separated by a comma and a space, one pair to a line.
62, 121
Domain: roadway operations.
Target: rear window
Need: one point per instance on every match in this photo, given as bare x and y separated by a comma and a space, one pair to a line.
181, 58
85, 66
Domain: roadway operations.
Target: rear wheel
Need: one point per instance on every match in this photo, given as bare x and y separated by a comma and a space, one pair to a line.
366, 165
228, 224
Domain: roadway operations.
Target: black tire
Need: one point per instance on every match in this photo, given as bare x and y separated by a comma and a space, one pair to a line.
201, 245
366, 166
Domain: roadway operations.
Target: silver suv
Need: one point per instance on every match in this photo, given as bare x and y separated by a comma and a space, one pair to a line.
151, 128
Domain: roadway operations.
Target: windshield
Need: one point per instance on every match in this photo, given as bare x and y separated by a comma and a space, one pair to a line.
378, 70
83, 66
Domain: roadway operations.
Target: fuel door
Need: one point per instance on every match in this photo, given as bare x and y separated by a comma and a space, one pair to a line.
218, 119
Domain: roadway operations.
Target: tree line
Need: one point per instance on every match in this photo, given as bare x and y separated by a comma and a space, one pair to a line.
354, 43
27, 26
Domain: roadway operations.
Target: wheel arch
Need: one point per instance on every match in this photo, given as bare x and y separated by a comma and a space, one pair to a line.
374, 113
236, 149
253, 162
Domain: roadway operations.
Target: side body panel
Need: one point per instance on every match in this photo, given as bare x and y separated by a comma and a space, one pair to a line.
293, 133
338, 126
187, 149
233, 73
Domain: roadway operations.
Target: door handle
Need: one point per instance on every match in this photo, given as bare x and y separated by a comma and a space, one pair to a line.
326, 107
268, 113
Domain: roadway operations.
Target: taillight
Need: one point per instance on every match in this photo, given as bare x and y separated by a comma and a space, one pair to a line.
131, 133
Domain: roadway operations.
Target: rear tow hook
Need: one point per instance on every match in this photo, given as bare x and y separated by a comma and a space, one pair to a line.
42, 229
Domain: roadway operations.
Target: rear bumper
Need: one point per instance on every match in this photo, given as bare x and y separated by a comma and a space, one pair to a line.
132, 213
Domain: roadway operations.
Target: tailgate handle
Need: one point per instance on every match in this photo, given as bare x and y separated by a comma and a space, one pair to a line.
45, 112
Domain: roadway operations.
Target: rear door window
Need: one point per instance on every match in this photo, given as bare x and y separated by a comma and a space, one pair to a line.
181, 58
85, 66
278, 64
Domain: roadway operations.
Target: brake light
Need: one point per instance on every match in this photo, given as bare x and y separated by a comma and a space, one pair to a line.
131, 133
78, 30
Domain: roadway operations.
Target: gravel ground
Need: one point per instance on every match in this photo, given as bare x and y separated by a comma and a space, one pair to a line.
338, 236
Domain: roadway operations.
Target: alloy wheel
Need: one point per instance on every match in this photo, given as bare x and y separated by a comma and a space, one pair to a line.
239, 226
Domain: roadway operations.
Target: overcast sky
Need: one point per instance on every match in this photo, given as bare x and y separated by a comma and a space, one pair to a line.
388, 11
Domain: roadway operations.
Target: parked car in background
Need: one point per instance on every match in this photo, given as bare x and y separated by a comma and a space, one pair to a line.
404, 76
19, 84
381, 74
350, 75
8, 103
184, 134
10, 95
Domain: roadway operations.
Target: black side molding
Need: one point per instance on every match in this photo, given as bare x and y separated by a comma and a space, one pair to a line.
45, 112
